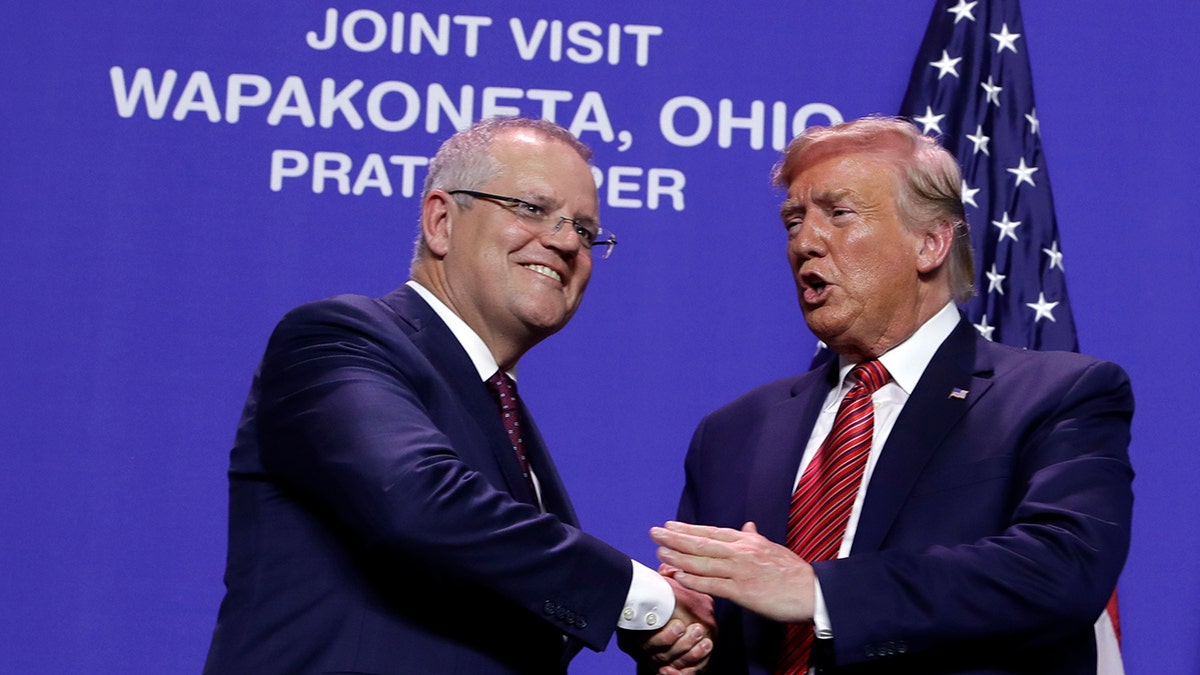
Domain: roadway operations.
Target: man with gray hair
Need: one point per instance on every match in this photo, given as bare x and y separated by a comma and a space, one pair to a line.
928, 501
393, 508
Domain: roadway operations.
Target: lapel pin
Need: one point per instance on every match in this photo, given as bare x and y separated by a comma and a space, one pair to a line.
960, 394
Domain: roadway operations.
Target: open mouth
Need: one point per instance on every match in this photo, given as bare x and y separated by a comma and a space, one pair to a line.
812, 288
542, 269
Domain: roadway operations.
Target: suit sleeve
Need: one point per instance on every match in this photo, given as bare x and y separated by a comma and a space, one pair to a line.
346, 420
1057, 551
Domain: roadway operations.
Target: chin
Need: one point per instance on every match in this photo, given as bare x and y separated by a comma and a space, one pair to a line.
828, 332
545, 322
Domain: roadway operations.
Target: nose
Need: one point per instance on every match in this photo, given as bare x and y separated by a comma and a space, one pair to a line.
562, 237
806, 239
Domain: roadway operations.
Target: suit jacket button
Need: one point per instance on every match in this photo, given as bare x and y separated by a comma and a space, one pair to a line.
581, 621
551, 607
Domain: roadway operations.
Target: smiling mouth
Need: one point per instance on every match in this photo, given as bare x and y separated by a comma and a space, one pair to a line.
542, 269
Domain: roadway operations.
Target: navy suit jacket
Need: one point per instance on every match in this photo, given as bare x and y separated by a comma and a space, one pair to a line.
994, 526
379, 521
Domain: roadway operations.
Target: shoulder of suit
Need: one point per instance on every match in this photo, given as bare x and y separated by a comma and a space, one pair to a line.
1047, 364
342, 315
773, 392
346, 307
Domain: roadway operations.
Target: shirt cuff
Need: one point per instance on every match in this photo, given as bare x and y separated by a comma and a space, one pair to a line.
822, 628
650, 602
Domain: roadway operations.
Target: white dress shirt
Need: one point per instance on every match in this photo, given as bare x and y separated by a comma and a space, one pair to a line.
650, 601
906, 362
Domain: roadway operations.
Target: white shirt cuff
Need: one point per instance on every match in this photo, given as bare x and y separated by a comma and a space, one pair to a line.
650, 602
822, 628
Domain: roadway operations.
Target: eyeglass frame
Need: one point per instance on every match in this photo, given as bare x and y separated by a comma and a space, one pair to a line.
586, 238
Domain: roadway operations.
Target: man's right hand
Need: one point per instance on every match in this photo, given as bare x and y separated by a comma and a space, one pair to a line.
684, 645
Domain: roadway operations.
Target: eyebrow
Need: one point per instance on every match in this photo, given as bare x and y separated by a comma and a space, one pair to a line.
832, 195
790, 207
551, 204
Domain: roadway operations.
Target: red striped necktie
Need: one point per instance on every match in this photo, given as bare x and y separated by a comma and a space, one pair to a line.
822, 501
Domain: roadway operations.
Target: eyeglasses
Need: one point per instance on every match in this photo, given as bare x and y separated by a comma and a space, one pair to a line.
591, 235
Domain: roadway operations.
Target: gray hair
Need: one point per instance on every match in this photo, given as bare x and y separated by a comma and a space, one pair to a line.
465, 162
930, 190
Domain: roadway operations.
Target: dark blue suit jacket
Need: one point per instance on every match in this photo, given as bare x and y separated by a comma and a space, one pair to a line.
379, 521
994, 526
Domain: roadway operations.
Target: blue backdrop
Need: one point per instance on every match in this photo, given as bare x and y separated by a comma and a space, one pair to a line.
175, 176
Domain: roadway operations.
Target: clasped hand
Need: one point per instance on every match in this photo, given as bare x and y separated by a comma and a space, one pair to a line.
739, 565
683, 646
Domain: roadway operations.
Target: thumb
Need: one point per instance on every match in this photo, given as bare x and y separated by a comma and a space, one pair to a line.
750, 527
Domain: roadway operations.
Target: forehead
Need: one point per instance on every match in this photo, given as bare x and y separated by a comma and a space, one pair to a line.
542, 166
865, 174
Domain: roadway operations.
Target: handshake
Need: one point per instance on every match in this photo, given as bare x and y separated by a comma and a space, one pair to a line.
681, 647
740, 565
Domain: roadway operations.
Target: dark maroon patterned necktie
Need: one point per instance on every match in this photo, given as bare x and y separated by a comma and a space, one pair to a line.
504, 390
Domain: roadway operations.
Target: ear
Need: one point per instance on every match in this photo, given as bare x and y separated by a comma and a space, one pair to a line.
935, 247
435, 222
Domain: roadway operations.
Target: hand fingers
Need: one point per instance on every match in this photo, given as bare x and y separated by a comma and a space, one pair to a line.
664, 640
686, 648
697, 656
690, 543
716, 586
706, 531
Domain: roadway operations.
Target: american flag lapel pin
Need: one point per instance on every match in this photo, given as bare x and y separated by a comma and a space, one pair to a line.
960, 394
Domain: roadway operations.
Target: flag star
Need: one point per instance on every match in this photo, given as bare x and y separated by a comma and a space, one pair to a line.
984, 329
930, 121
968, 194
1023, 173
963, 10
1056, 256
993, 91
995, 280
1008, 228
1034, 124
1042, 308
980, 141
1005, 40
946, 65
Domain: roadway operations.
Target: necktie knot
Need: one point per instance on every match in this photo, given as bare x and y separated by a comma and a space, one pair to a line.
871, 375
504, 389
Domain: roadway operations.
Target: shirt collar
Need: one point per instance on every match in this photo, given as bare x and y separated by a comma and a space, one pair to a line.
480, 355
906, 362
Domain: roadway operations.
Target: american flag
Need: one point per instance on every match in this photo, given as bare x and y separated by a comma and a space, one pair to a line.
972, 87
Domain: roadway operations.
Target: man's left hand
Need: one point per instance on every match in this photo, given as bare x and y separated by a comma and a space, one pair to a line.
742, 566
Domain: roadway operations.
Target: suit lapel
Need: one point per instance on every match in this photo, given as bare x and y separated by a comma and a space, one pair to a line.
435, 340
787, 427
785, 434
928, 416
554, 493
